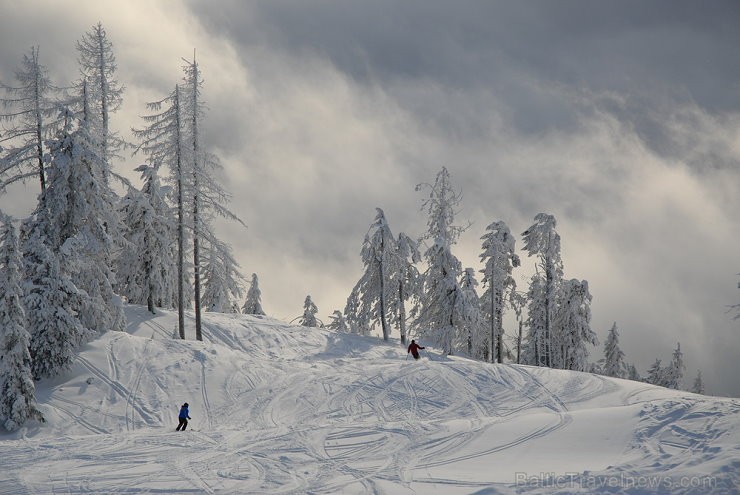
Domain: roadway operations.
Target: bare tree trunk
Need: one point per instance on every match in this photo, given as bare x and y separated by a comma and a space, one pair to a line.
401, 314
494, 350
196, 266
40, 154
539, 349
103, 100
148, 277
548, 305
499, 334
492, 339
519, 344
383, 322
196, 219
150, 301
180, 262
448, 338
39, 122
180, 226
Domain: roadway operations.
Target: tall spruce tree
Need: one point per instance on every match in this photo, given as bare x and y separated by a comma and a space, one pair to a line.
162, 141
193, 104
356, 319
518, 302
147, 268
76, 210
31, 116
222, 282
473, 336
376, 288
633, 374
543, 241
534, 347
439, 317
571, 332
207, 197
105, 94
408, 280
51, 300
673, 376
253, 303
499, 259
656, 374
17, 400
698, 387
614, 364
436, 317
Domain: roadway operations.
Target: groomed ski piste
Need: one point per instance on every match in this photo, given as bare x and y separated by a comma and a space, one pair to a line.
281, 409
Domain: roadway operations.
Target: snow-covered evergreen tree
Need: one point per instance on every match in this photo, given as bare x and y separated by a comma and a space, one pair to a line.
253, 304
473, 334
207, 196
375, 288
543, 241
499, 259
222, 281
162, 141
339, 323
572, 334
435, 321
51, 301
656, 374
614, 364
356, 319
195, 110
309, 314
105, 94
17, 401
534, 342
632, 373
437, 318
77, 204
31, 117
147, 271
673, 376
518, 302
407, 278
698, 386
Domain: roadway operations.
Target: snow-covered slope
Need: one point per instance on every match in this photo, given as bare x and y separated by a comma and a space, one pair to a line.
285, 409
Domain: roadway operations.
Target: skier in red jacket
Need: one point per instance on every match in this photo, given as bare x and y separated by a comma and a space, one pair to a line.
414, 349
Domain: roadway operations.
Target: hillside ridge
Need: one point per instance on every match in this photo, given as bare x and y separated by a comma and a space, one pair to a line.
283, 409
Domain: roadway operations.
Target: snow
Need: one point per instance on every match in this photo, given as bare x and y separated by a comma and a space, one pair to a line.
285, 409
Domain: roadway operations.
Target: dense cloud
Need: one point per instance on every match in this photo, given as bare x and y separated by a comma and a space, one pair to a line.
622, 120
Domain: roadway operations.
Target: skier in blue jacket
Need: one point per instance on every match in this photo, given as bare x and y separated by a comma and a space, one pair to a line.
184, 417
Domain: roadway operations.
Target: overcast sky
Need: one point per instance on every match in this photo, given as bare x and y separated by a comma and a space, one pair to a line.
622, 119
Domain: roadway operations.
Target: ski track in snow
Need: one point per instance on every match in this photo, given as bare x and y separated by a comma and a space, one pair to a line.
288, 410
132, 390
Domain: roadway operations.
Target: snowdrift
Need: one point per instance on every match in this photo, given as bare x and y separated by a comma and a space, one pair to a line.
285, 409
